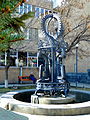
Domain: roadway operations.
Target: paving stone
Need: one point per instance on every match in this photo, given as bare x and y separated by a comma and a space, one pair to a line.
8, 115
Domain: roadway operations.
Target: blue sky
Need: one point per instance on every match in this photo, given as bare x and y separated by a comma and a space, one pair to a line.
57, 2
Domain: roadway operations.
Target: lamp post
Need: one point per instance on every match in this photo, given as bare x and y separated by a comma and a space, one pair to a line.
76, 65
20, 65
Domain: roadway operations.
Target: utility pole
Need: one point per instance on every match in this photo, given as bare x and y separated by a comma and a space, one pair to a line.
76, 65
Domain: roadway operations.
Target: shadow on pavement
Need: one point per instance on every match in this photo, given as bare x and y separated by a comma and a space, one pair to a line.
8, 115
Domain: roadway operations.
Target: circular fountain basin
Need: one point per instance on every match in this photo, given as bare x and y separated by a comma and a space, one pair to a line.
52, 100
20, 101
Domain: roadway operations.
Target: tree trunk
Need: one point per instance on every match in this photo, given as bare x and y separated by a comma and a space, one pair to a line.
8, 64
6, 76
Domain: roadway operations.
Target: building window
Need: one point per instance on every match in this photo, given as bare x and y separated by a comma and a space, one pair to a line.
29, 60
13, 55
2, 59
31, 34
28, 34
42, 12
22, 8
32, 60
23, 56
36, 12
46, 12
25, 8
29, 7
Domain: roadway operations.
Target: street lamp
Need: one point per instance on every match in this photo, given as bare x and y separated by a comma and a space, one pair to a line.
20, 65
76, 65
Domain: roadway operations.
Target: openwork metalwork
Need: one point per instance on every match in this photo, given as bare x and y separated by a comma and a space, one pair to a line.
52, 71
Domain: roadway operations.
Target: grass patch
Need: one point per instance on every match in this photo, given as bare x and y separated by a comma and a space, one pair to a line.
4, 90
27, 87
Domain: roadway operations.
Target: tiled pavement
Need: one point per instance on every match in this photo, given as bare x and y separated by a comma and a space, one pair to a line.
8, 115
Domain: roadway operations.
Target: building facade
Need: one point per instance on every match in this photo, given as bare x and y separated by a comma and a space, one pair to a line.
26, 51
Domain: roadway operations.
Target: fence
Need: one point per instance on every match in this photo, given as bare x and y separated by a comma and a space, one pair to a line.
79, 77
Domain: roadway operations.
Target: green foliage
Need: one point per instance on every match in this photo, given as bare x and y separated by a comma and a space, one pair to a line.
10, 25
28, 15
5, 4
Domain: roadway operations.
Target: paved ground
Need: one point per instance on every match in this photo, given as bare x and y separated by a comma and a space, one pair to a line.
41, 117
8, 115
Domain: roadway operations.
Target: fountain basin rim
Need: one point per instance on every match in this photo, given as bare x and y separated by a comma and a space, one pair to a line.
8, 102
10, 96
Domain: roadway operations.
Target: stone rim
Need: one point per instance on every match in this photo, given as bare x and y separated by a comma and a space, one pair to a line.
8, 102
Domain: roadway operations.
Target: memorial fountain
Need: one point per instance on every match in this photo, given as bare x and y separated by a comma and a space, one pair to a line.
52, 95
52, 81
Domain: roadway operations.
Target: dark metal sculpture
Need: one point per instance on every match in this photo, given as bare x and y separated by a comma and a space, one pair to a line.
52, 71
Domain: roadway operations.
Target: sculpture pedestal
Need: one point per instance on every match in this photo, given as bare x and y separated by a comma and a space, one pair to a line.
52, 99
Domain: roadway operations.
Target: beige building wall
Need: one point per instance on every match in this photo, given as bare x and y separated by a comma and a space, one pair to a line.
83, 64
14, 73
48, 4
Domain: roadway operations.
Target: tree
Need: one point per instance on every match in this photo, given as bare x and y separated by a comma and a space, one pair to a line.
76, 19
11, 27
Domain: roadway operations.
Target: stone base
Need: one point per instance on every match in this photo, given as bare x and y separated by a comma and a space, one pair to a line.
52, 100
8, 101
